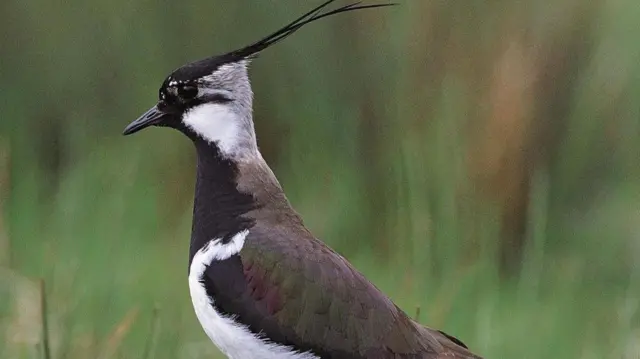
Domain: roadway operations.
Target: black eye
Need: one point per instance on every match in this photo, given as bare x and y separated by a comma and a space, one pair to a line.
187, 92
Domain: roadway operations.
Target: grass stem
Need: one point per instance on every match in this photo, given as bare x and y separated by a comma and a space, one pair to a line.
46, 351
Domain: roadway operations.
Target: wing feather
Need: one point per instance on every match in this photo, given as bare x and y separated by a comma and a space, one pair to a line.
321, 298
289, 286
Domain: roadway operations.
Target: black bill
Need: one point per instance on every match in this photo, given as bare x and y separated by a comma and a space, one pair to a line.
150, 118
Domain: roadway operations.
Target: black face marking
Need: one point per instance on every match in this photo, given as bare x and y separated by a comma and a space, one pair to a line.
177, 96
216, 98
187, 92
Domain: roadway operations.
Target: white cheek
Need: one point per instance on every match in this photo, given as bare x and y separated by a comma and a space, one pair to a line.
215, 123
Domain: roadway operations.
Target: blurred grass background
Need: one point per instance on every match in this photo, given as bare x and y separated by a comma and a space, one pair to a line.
479, 160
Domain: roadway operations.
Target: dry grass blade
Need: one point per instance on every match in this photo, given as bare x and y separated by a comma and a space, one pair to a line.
118, 334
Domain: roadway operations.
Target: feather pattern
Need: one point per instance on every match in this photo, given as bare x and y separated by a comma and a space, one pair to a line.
288, 286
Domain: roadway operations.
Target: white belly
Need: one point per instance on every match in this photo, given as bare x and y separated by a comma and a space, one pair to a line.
234, 339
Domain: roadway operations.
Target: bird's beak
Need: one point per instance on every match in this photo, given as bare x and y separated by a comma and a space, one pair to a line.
152, 117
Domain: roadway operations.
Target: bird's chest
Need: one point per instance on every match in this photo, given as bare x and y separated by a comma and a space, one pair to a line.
234, 339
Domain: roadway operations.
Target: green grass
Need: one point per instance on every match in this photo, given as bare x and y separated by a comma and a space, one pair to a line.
107, 267
396, 134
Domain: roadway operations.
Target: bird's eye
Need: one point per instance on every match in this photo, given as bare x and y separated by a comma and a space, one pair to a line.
187, 92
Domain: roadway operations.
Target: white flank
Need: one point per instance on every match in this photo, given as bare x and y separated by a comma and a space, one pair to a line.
215, 123
234, 339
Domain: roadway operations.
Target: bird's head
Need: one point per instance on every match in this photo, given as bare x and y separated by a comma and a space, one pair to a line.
211, 99
206, 100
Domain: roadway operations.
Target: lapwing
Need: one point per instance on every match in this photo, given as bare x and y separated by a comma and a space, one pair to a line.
262, 285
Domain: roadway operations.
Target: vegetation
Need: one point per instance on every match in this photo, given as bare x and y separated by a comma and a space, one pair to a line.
478, 160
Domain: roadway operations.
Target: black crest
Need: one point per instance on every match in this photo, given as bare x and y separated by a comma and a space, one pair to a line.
206, 66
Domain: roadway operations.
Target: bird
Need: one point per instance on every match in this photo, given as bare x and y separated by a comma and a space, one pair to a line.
262, 285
